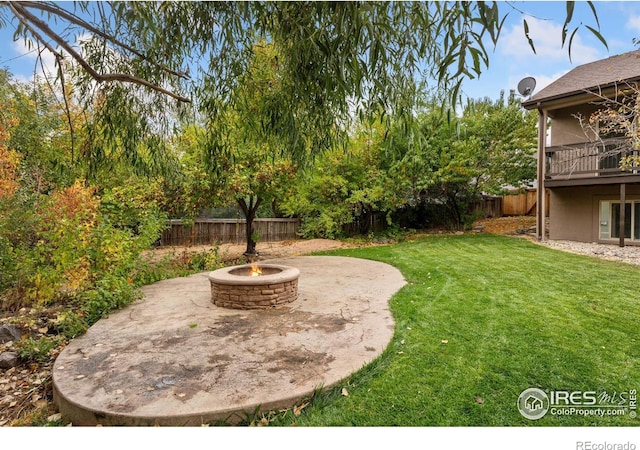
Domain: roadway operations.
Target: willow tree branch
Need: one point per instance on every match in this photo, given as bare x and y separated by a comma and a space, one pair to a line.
59, 58
67, 108
72, 18
28, 19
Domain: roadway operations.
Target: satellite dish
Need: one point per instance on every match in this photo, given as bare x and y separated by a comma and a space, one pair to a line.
526, 86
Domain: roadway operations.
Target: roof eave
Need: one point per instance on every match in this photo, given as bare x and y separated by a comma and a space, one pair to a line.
574, 97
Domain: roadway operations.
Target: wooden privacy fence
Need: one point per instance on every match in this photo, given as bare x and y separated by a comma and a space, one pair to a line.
227, 231
523, 204
489, 206
516, 204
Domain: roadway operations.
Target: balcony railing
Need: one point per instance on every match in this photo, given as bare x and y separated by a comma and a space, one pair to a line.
590, 159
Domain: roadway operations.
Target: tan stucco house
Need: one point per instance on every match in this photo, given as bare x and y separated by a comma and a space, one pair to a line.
579, 166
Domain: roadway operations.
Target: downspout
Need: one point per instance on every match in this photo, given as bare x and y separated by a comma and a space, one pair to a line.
541, 197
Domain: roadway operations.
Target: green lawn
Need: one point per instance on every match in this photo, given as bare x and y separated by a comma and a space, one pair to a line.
483, 318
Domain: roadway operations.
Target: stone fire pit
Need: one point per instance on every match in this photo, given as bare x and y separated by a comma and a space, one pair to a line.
260, 286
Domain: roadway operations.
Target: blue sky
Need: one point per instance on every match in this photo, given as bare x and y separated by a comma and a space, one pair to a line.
513, 59
510, 61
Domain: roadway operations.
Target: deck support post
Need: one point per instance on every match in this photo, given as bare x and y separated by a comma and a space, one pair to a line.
540, 194
623, 219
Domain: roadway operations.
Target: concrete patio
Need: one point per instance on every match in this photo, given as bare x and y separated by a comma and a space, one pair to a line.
174, 358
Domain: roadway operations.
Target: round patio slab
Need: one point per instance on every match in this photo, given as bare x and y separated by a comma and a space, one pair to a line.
175, 358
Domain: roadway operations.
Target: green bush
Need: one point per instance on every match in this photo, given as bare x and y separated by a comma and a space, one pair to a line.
109, 293
205, 260
38, 350
79, 253
71, 324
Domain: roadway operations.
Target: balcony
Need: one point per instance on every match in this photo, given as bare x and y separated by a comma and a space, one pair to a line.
590, 163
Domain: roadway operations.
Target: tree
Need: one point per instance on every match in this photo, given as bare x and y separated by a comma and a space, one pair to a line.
257, 167
139, 55
502, 141
9, 158
616, 117
453, 160
256, 177
40, 135
62, 236
347, 187
250, 176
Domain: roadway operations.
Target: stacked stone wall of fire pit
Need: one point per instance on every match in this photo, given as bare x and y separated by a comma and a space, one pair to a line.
231, 290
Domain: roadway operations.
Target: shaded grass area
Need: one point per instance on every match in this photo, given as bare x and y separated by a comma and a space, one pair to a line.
483, 318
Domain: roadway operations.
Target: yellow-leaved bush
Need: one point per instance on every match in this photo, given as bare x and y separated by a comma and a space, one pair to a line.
80, 248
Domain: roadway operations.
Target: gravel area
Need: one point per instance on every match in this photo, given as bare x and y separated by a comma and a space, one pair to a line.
628, 254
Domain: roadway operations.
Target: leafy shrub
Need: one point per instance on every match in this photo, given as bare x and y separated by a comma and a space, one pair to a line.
71, 324
148, 271
344, 188
9, 161
111, 292
38, 350
81, 252
62, 254
205, 260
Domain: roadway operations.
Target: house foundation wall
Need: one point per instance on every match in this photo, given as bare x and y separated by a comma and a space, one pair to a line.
574, 212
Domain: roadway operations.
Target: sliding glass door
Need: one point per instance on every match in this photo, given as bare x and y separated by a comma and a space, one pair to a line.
615, 220
610, 220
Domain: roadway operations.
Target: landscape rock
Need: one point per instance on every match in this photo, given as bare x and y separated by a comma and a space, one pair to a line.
8, 360
629, 254
9, 332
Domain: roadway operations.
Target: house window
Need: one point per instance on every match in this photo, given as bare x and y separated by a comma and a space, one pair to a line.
610, 220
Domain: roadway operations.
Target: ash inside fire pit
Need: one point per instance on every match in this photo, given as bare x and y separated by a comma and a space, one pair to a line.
259, 286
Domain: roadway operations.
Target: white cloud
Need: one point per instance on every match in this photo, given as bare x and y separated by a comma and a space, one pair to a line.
633, 23
48, 59
547, 40
40, 59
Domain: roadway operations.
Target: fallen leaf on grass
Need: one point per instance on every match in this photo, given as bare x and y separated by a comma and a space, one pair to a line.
54, 417
297, 410
344, 392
